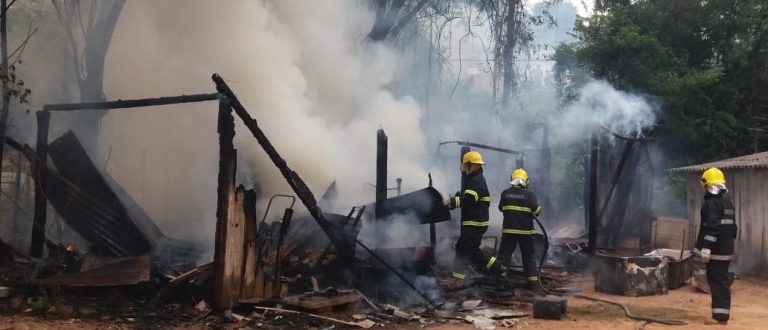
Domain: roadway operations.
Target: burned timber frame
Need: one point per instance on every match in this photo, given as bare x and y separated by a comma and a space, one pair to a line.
41, 148
230, 234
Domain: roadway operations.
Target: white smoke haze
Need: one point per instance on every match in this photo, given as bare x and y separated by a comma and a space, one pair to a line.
302, 69
600, 104
317, 89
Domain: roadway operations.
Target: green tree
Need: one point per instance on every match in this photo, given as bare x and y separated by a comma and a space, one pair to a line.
705, 61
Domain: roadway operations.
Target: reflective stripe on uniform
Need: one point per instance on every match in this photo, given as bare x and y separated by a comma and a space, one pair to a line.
490, 263
476, 223
517, 231
457, 200
473, 193
726, 221
485, 199
533, 278
458, 275
710, 238
516, 208
719, 257
725, 311
538, 210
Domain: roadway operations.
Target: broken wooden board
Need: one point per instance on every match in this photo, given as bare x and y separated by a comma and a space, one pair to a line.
104, 271
323, 303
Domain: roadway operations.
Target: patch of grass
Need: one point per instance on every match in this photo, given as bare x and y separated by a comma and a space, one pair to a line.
601, 311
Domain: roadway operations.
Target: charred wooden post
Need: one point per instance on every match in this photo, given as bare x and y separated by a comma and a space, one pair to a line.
41, 203
432, 229
594, 163
549, 308
251, 227
17, 190
344, 244
225, 208
381, 177
277, 285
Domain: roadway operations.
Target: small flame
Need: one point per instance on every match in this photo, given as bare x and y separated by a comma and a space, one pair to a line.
70, 247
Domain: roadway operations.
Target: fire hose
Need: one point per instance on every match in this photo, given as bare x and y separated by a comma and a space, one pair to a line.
622, 306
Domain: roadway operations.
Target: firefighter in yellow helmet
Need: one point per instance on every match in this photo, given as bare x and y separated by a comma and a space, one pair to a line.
519, 205
474, 201
715, 242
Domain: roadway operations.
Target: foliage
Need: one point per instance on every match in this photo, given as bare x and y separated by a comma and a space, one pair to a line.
706, 61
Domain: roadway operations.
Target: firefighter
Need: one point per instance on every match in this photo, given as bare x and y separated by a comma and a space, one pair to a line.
519, 206
715, 242
474, 201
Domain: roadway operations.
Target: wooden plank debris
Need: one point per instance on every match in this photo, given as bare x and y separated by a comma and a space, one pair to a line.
280, 310
111, 271
321, 303
202, 269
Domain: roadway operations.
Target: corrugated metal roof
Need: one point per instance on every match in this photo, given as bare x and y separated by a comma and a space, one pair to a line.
758, 160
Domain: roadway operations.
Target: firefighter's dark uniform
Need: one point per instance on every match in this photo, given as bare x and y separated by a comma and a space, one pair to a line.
474, 201
718, 233
519, 205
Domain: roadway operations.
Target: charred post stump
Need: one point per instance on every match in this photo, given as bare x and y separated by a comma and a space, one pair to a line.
224, 298
549, 308
41, 203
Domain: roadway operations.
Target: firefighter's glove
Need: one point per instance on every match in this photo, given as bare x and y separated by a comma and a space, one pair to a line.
447, 202
705, 254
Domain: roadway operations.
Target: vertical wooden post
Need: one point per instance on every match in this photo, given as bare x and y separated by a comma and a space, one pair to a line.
594, 173
41, 203
223, 299
17, 191
251, 226
381, 179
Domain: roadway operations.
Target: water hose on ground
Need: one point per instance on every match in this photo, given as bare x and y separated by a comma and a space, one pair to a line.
622, 306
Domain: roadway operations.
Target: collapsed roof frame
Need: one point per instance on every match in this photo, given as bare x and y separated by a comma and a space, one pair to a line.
41, 148
227, 252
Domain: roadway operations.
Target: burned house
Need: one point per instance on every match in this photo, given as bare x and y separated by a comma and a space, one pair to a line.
747, 181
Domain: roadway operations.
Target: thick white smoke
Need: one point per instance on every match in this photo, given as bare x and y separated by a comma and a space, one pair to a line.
303, 70
599, 104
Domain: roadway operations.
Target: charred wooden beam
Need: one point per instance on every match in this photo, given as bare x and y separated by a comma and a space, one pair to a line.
344, 245
122, 104
481, 146
225, 207
41, 203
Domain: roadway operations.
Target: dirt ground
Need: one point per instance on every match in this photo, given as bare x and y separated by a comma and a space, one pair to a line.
749, 311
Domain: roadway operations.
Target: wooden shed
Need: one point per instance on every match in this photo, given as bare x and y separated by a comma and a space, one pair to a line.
747, 181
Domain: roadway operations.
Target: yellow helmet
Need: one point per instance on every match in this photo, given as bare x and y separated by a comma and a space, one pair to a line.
519, 174
712, 176
473, 157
